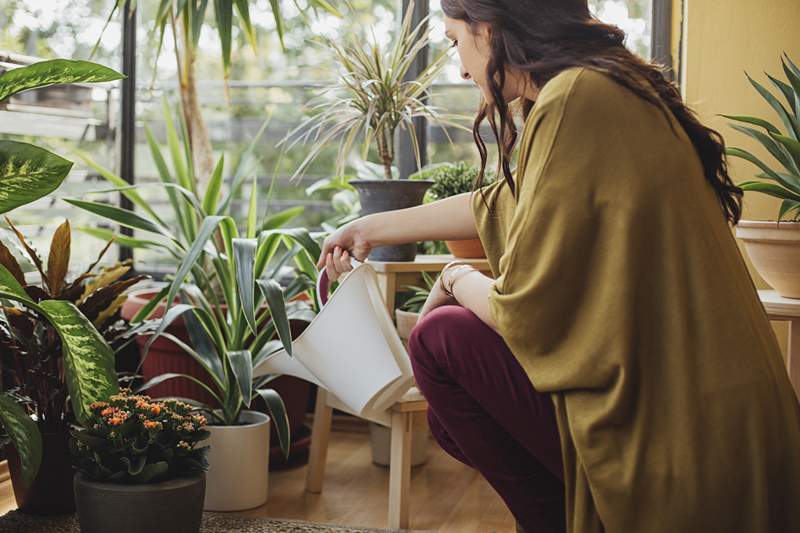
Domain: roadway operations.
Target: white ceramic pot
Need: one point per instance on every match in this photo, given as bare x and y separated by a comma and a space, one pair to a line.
238, 464
775, 251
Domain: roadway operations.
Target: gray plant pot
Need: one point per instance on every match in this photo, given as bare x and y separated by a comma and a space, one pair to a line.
388, 195
175, 505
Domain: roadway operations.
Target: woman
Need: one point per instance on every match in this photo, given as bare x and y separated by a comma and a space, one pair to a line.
617, 373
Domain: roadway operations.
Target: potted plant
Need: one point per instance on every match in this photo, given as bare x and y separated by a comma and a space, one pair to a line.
233, 309
32, 355
77, 362
407, 315
374, 96
774, 246
173, 234
451, 179
139, 467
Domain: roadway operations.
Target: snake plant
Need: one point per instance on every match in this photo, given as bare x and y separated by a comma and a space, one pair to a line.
783, 144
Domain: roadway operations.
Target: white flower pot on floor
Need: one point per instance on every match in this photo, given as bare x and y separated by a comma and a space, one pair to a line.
238, 471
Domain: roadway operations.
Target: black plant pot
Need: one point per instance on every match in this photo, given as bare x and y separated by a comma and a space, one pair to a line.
175, 505
387, 195
51, 491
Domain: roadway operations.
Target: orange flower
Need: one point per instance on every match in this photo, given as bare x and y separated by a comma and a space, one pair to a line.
116, 421
107, 411
155, 409
150, 424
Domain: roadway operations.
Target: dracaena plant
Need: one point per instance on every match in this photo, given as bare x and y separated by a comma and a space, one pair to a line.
373, 98
225, 282
782, 143
28, 173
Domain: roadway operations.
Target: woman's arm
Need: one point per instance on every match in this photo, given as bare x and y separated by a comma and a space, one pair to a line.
447, 219
471, 290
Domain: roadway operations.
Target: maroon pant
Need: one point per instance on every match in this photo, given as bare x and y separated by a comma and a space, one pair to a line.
484, 411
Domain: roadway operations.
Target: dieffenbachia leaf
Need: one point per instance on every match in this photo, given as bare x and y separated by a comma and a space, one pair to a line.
25, 436
28, 173
54, 71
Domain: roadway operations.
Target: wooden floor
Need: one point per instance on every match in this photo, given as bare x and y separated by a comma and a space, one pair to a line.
446, 496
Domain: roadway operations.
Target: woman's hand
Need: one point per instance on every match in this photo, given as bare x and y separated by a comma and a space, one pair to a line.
338, 248
436, 298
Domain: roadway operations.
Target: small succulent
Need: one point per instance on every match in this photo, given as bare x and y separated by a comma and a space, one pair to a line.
418, 294
451, 179
133, 439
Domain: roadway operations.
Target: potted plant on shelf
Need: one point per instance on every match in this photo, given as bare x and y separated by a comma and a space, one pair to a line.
78, 363
32, 355
139, 466
173, 234
233, 309
451, 179
374, 96
774, 247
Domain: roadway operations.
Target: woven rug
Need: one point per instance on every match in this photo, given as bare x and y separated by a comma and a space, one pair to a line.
15, 522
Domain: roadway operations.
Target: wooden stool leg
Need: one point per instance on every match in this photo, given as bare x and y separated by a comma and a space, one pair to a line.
320, 432
400, 470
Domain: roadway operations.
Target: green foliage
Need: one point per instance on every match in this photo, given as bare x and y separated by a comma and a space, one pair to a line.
419, 294
133, 439
372, 98
28, 172
782, 182
23, 434
451, 179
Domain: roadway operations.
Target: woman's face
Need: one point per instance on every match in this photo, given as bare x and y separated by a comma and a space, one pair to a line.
474, 51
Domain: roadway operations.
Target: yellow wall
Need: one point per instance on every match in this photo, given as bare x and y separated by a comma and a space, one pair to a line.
721, 40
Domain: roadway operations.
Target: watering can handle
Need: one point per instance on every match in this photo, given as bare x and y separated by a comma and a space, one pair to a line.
324, 283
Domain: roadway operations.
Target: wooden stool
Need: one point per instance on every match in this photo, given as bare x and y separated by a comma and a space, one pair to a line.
402, 426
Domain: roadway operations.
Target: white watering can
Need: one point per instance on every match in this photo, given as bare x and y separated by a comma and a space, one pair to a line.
351, 348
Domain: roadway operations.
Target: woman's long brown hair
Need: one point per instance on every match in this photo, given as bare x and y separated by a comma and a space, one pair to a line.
545, 37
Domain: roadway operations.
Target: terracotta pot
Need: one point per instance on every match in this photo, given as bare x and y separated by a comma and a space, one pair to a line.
774, 249
166, 356
175, 505
51, 491
238, 464
466, 249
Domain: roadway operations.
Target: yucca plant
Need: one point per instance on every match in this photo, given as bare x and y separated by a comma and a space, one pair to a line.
231, 302
186, 19
782, 144
372, 98
28, 173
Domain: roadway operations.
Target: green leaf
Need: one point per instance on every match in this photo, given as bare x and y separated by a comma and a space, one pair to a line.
24, 435
277, 411
211, 198
252, 212
10, 288
792, 146
276, 15
242, 366
121, 216
207, 229
150, 471
777, 106
208, 360
769, 189
277, 307
223, 9
150, 306
171, 375
243, 8
281, 218
28, 173
786, 206
88, 359
769, 143
755, 121
122, 240
59, 71
244, 253
769, 173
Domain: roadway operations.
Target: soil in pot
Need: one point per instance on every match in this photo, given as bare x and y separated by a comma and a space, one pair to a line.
51, 491
175, 505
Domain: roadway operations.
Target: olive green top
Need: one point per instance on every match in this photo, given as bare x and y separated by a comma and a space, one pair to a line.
621, 290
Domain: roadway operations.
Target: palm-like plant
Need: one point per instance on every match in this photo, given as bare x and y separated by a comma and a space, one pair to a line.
783, 145
186, 19
226, 281
27, 173
373, 98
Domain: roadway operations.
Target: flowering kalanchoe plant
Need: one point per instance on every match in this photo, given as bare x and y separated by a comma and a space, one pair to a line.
133, 439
